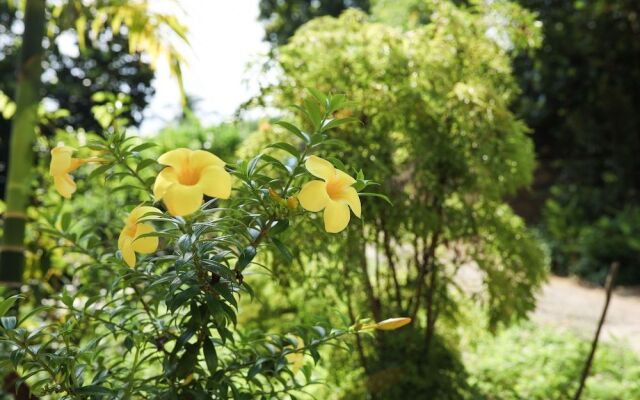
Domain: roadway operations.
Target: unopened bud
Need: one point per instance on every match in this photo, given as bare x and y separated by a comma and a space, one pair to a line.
292, 202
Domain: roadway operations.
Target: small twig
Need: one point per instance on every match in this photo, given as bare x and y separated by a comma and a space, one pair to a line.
613, 271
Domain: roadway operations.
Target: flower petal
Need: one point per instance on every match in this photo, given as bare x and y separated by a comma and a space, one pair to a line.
60, 160
128, 255
215, 181
344, 178
175, 158
64, 185
182, 200
336, 216
320, 167
147, 244
200, 159
350, 196
140, 212
313, 196
121, 239
165, 178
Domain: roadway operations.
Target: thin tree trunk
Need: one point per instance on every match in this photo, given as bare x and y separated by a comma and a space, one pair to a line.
587, 365
431, 312
389, 254
23, 132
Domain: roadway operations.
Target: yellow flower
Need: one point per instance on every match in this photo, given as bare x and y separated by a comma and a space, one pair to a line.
334, 194
190, 175
61, 164
130, 242
392, 323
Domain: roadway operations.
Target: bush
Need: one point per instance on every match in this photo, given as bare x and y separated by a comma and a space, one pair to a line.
588, 249
537, 363
150, 309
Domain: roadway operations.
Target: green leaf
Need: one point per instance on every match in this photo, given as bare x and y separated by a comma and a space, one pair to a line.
313, 112
65, 221
321, 97
274, 162
94, 390
293, 129
226, 292
282, 248
144, 164
383, 197
286, 147
187, 361
210, 355
7, 303
247, 255
254, 370
143, 146
279, 227
337, 122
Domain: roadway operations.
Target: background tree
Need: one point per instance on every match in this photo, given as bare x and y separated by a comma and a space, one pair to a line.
283, 18
438, 133
581, 93
147, 30
70, 80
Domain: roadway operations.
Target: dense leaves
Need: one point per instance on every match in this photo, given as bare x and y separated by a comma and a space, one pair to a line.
581, 93
437, 132
168, 326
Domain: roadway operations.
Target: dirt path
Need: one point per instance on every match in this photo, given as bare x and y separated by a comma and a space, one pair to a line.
566, 303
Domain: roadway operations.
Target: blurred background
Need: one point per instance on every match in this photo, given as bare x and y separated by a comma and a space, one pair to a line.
506, 133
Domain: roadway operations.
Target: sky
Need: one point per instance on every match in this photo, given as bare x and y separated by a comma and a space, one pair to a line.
225, 36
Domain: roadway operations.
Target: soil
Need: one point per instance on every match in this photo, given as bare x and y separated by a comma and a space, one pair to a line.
570, 304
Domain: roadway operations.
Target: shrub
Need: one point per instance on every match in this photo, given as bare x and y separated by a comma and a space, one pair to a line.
150, 309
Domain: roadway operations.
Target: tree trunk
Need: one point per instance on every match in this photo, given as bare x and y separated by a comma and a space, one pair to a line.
23, 132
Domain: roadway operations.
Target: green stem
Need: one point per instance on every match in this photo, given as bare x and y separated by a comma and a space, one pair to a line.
23, 134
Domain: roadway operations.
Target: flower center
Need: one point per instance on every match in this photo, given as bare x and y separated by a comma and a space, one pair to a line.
334, 188
188, 176
130, 230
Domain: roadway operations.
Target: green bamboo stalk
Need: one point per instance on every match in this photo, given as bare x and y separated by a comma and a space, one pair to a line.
23, 134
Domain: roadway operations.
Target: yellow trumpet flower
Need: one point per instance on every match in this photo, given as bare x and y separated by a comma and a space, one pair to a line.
130, 241
190, 175
61, 164
334, 194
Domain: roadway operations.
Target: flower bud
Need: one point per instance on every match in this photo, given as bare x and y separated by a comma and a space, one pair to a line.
392, 324
292, 202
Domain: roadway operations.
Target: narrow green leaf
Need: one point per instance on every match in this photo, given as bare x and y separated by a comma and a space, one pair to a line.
286, 147
210, 355
293, 129
7, 303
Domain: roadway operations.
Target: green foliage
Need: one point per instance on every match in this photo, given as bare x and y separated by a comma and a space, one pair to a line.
69, 81
91, 326
596, 246
438, 134
581, 93
283, 18
223, 139
526, 362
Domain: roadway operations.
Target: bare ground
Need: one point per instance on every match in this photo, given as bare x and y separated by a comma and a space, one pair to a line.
569, 304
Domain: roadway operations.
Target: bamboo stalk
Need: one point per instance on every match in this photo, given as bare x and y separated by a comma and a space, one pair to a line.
23, 134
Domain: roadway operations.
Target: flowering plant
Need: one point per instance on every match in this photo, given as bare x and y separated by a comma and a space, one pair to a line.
151, 307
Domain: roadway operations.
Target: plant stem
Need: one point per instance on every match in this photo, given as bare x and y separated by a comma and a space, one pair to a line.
613, 272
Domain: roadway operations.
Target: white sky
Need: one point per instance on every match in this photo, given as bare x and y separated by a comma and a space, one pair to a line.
225, 36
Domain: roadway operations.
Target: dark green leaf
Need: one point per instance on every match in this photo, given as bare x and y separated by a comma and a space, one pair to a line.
210, 355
